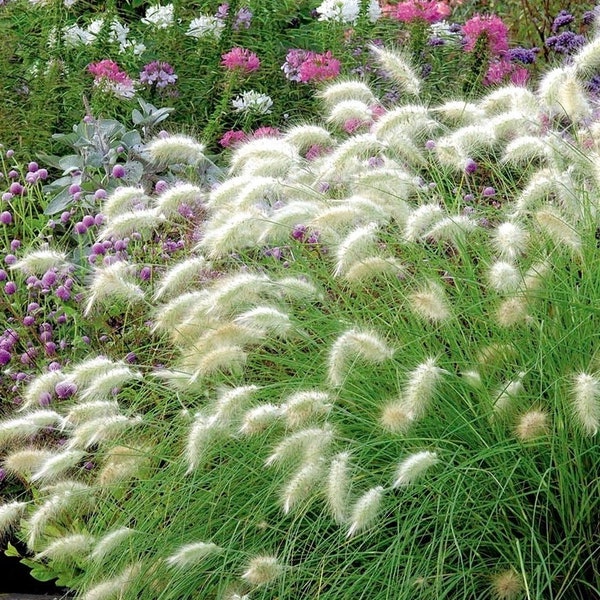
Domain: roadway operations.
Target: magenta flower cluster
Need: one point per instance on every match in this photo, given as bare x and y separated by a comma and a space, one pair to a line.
240, 60
306, 66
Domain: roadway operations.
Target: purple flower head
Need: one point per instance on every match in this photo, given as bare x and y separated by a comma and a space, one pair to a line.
489, 191
222, 11
10, 288
65, 389
563, 18
118, 171
6, 217
243, 18
45, 399
299, 232
4, 357
158, 74
589, 16
525, 56
32, 167
566, 42
470, 166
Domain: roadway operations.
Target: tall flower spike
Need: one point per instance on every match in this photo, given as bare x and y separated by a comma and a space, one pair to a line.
586, 402
398, 69
413, 467
365, 510
351, 345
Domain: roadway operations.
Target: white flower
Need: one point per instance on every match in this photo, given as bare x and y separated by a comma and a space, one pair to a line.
158, 16
347, 11
204, 26
95, 26
253, 102
76, 36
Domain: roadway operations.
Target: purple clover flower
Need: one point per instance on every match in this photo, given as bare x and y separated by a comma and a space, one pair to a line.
65, 389
158, 74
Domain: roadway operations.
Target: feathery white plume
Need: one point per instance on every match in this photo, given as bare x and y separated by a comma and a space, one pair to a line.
354, 344
397, 67
192, 554
337, 490
365, 510
262, 570
413, 467
301, 485
68, 546
109, 542
37, 262
586, 402
175, 149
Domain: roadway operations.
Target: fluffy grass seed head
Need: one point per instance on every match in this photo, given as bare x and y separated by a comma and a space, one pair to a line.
282, 154
358, 244
512, 312
525, 149
113, 282
430, 303
115, 587
181, 277
10, 515
507, 394
101, 430
123, 200
262, 570
104, 385
171, 200
143, 221
532, 425
68, 547
231, 401
420, 386
346, 110
259, 418
338, 91
367, 269
191, 555
338, 486
587, 61
365, 511
504, 276
110, 542
266, 320
307, 445
421, 220
354, 344
22, 463
175, 149
396, 417
413, 467
54, 466
459, 112
506, 585
299, 488
87, 411
123, 463
586, 402
398, 68
205, 433
37, 262
558, 229
86, 371
45, 382
305, 136
301, 407
510, 240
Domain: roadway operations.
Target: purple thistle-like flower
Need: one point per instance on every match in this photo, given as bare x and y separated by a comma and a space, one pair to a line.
563, 18
243, 18
489, 191
118, 171
6, 217
565, 42
5, 357
589, 16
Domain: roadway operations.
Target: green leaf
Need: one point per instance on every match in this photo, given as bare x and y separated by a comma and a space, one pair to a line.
137, 117
71, 162
60, 202
11, 551
131, 139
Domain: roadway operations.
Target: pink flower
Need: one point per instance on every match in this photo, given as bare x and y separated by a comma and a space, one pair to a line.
491, 26
500, 69
232, 138
319, 67
108, 74
426, 10
240, 59
266, 131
